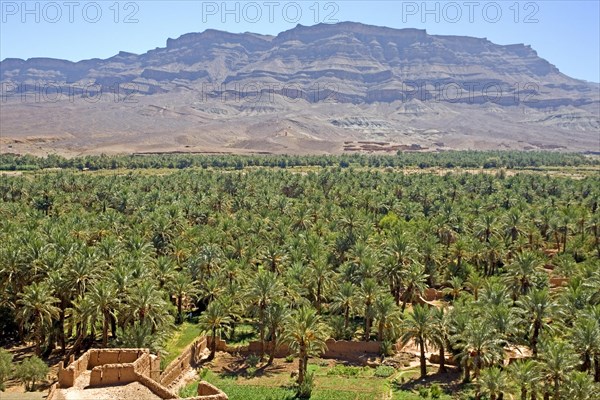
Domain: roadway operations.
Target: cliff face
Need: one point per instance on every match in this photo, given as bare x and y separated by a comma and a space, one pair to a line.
340, 66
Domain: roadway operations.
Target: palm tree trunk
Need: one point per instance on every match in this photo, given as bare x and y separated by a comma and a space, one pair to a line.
301, 365
467, 377
213, 345
272, 349
113, 326
380, 330
346, 318
597, 368
442, 369
105, 326
38, 338
61, 332
534, 339
179, 307
523, 393
423, 360
367, 326
262, 331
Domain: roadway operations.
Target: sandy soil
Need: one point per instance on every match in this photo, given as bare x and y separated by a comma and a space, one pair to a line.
81, 391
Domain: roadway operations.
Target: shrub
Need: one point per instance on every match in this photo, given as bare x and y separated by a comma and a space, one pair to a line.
384, 371
435, 391
306, 387
5, 367
289, 359
343, 370
423, 392
31, 370
251, 371
387, 348
252, 360
203, 372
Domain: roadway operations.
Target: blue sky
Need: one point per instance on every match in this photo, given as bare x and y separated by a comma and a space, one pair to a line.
566, 33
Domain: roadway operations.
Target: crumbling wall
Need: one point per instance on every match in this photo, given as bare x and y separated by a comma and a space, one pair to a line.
344, 349
432, 294
156, 387
67, 375
189, 357
52, 392
114, 356
113, 374
350, 349
206, 391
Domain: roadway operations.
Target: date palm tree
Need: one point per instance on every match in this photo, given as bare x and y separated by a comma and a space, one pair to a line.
305, 334
558, 359
536, 306
521, 272
585, 337
368, 293
103, 298
276, 315
479, 345
344, 300
37, 309
414, 282
263, 290
418, 327
440, 334
214, 320
387, 317
493, 382
525, 374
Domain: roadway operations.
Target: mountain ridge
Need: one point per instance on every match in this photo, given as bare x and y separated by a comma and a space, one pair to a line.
291, 86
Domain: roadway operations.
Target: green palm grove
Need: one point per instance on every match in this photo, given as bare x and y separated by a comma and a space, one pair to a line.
338, 247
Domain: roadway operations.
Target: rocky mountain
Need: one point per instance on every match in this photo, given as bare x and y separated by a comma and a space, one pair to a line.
323, 88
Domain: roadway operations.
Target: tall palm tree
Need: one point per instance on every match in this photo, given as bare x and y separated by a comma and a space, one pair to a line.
387, 317
537, 306
558, 359
181, 286
418, 327
521, 271
479, 345
585, 336
103, 297
414, 282
37, 308
264, 288
440, 334
344, 300
368, 293
579, 386
215, 319
305, 334
525, 374
276, 314
493, 382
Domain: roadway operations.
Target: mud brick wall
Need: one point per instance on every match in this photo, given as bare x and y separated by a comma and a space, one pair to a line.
113, 374
114, 356
68, 375
206, 391
156, 387
344, 349
190, 356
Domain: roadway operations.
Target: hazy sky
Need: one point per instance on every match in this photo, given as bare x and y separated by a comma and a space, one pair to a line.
566, 33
